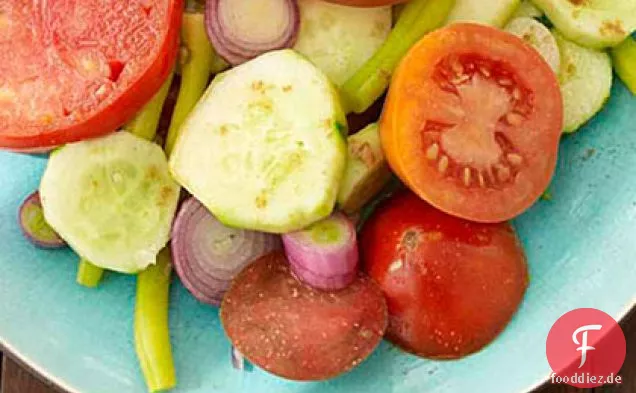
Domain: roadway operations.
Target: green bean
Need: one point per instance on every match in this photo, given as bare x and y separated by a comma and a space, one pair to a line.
624, 56
416, 19
152, 337
196, 63
143, 125
89, 275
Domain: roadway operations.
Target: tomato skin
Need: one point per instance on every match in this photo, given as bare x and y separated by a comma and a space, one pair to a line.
451, 285
416, 99
367, 3
119, 110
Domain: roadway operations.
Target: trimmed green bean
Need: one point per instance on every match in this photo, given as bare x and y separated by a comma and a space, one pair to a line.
144, 125
416, 19
152, 337
196, 63
624, 57
89, 275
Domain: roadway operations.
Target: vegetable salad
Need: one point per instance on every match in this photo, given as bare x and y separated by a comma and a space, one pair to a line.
332, 174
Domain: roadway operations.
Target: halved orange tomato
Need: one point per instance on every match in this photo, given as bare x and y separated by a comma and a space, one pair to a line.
472, 122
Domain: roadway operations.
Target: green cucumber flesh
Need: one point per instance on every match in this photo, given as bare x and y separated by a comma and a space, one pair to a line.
112, 199
367, 171
585, 79
263, 149
527, 9
592, 23
624, 57
489, 12
539, 37
340, 39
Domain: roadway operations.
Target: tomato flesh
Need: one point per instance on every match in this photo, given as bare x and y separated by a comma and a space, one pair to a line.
472, 122
451, 285
72, 69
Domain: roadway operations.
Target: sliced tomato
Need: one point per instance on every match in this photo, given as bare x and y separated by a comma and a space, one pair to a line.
451, 285
297, 332
73, 69
472, 122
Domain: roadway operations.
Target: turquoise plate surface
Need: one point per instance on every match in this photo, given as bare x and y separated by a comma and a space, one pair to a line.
581, 248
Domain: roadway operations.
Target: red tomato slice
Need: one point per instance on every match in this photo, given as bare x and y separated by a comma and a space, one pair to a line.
75, 69
451, 285
472, 122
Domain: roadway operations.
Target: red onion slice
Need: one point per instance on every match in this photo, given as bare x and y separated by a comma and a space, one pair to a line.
207, 254
34, 226
325, 255
243, 29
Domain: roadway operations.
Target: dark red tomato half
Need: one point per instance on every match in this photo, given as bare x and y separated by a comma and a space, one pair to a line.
451, 285
75, 69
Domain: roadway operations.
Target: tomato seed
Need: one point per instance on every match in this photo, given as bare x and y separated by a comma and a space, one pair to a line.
432, 152
484, 71
505, 82
467, 176
514, 119
503, 173
514, 159
443, 164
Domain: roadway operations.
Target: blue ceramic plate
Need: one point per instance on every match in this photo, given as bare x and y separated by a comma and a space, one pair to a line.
580, 247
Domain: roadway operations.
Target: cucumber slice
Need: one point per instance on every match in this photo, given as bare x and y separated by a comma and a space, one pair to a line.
340, 39
264, 148
527, 9
586, 80
112, 199
367, 171
592, 23
489, 12
539, 37
624, 57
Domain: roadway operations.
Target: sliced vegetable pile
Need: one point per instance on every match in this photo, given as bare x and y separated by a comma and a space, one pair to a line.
315, 243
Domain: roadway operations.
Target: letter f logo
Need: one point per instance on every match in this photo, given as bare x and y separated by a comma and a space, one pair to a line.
583, 344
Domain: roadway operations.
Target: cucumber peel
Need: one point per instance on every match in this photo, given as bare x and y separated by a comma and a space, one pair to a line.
585, 79
490, 12
592, 23
367, 171
263, 149
624, 57
111, 199
340, 39
539, 37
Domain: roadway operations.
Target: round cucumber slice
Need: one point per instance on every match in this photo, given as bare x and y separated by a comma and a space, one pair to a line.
586, 80
592, 23
112, 199
527, 9
489, 12
539, 37
340, 39
264, 148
